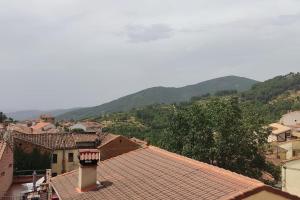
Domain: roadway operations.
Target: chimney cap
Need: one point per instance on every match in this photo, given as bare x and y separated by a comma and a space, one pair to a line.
89, 156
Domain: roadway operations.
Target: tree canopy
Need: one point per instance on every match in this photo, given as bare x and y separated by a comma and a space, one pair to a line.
221, 132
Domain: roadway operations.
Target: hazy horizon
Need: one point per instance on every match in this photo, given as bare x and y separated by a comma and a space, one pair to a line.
70, 53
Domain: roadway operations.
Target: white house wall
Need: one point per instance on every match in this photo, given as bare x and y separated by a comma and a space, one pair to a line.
291, 177
291, 119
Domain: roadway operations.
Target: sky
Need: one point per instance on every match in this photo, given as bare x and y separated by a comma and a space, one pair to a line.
74, 53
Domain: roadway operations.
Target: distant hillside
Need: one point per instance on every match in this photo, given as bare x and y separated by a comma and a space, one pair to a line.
158, 95
275, 96
34, 114
272, 88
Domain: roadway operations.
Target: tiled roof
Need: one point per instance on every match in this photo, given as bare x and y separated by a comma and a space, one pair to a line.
2, 147
278, 128
91, 126
107, 138
40, 125
19, 128
153, 173
57, 140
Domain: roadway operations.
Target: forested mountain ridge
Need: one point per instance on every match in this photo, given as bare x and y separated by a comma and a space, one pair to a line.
162, 95
272, 88
206, 128
281, 93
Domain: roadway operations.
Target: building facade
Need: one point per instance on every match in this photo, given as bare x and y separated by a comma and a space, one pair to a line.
6, 167
291, 176
291, 119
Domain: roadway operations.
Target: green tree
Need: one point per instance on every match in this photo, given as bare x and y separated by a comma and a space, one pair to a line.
190, 134
223, 132
2, 117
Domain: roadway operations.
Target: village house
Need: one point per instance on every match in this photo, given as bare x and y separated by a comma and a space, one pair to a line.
286, 155
19, 127
6, 167
153, 173
290, 172
44, 127
279, 133
63, 147
87, 127
291, 119
47, 118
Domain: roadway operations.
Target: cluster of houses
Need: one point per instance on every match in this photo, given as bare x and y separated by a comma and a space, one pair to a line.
284, 151
46, 124
86, 163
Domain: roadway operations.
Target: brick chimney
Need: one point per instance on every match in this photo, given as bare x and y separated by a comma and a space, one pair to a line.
87, 177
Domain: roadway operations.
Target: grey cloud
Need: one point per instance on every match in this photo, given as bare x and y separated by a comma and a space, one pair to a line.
284, 20
141, 33
67, 53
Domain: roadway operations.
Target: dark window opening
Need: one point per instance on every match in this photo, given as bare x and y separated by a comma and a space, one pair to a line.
54, 158
2, 173
70, 157
54, 174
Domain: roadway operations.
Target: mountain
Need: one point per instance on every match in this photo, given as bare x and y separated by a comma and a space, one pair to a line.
275, 97
34, 114
270, 89
158, 95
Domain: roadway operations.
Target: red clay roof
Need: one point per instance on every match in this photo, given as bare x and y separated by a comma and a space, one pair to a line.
57, 140
107, 138
2, 147
153, 173
40, 125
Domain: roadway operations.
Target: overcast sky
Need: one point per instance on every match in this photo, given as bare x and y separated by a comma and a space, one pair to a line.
70, 53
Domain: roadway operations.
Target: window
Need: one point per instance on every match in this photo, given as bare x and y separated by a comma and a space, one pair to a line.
54, 158
54, 174
70, 157
10, 165
2, 173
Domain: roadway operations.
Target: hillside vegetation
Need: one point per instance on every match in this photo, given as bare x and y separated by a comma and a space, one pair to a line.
163, 95
270, 89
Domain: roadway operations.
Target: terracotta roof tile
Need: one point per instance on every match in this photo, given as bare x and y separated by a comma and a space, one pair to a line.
107, 138
2, 147
40, 125
152, 173
57, 140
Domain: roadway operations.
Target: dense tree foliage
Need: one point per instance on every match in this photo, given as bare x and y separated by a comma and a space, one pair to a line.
31, 161
2, 117
147, 123
222, 132
268, 90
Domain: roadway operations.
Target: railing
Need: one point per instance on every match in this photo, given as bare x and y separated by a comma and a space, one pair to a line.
29, 172
19, 197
